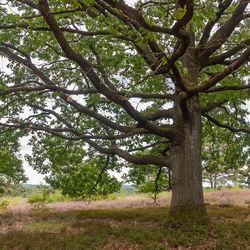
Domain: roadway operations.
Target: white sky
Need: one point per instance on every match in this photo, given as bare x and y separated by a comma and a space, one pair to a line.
33, 175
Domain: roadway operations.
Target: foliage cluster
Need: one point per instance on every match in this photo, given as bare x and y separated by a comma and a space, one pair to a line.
83, 180
11, 170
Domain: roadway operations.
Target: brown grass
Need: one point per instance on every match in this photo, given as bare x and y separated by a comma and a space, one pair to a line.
125, 224
25, 208
240, 197
123, 228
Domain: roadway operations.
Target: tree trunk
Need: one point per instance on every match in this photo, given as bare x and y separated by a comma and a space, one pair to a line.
211, 181
187, 192
215, 181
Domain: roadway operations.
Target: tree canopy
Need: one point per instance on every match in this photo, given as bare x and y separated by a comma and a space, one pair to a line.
133, 82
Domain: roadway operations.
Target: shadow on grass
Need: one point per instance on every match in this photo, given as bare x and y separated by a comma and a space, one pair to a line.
141, 228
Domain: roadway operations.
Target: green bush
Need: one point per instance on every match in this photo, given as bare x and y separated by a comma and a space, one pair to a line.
44, 195
4, 204
36, 197
56, 196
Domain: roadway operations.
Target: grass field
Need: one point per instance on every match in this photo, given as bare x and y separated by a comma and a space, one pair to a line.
122, 224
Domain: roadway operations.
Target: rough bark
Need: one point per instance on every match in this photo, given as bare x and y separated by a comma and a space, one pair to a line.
187, 193
187, 196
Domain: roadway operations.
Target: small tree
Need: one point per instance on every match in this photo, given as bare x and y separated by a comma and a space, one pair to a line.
149, 179
224, 156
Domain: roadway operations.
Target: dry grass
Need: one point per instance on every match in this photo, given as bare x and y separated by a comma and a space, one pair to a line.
240, 197
237, 197
25, 207
123, 228
125, 224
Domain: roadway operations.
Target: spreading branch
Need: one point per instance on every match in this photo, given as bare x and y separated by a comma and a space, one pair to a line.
222, 34
219, 124
242, 59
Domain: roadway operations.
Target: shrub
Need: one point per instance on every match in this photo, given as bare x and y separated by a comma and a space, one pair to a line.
36, 197
4, 204
44, 195
56, 197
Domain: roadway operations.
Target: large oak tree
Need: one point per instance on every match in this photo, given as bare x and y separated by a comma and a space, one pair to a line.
124, 79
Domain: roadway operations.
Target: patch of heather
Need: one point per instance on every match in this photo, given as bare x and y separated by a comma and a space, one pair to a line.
74, 205
20, 208
239, 197
25, 208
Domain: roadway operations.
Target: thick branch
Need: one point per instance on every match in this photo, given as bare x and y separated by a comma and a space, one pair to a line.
209, 26
69, 30
220, 75
221, 58
212, 105
222, 34
241, 87
167, 114
87, 68
157, 160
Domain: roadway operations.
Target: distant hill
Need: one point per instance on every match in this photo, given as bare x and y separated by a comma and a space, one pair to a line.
35, 185
128, 186
29, 185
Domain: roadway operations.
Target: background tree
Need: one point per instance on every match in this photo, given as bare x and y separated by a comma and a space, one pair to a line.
224, 156
77, 67
244, 176
11, 169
